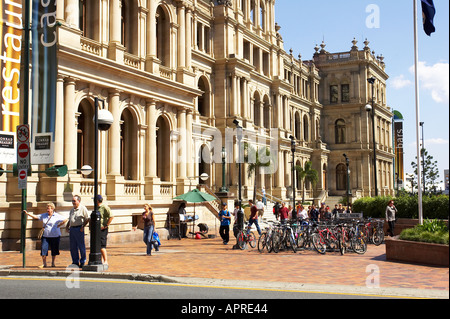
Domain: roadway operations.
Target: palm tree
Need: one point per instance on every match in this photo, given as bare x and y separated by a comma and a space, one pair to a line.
256, 159
307, 174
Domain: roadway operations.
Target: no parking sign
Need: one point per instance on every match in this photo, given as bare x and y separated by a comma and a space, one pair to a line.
23, 154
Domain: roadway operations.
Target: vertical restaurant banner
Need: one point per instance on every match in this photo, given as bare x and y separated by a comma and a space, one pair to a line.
43, 81
398, 126
11, 27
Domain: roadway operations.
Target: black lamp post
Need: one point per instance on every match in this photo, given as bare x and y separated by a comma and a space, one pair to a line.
102, 122
294, 211
224, 188
371, 108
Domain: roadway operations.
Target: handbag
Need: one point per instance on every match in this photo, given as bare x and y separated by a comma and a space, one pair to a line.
41, 232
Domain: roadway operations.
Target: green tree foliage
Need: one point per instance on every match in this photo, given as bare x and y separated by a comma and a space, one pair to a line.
307, 174
430, 172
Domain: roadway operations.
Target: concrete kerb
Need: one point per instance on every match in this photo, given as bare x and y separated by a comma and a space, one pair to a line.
237, 284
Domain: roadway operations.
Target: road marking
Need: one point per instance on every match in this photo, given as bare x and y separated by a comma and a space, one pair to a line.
212, 287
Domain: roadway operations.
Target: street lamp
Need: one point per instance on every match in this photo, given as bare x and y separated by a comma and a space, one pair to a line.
371, 109
347, 162
204, 177
103, 120
224, 188
294, 211
239, 140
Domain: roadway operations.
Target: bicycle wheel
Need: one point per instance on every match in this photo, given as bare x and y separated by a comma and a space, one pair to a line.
269, 242
262, 242
242, 243
318, 243
359, 244
292, 242
276, 241
251, 239
377, 236
342, 244
301, 240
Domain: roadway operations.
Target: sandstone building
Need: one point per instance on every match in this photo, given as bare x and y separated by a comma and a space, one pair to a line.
175, 74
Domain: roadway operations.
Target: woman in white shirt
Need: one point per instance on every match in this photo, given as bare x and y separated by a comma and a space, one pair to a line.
52, 234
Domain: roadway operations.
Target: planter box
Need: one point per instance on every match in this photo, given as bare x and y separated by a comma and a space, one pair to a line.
416, 252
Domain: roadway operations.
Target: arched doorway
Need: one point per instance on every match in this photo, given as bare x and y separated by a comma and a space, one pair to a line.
341, 177
204, 164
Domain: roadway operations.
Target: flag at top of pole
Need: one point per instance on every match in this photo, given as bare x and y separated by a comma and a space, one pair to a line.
428, 11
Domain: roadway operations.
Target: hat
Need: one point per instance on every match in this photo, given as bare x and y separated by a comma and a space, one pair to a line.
99, 198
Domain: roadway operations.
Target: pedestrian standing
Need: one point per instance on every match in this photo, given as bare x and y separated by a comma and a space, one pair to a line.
225, 221
78, 219
283, 213
105, 221
314, 214
391, 210
253, 218
52, 233
149, 227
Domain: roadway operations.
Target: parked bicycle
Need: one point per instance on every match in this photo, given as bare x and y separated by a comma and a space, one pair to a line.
245, 237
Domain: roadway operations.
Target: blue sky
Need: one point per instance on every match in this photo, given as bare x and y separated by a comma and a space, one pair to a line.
307, 23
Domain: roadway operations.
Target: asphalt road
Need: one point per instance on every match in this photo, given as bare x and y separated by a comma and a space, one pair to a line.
76, 288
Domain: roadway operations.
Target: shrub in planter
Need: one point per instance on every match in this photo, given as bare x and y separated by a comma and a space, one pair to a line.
432, 231
434, 207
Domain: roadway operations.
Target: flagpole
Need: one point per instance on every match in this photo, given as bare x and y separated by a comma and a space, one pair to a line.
416, 75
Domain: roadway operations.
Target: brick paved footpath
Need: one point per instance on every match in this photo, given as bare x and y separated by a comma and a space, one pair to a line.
209, 258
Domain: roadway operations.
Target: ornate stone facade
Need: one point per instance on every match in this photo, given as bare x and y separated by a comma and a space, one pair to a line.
175, 74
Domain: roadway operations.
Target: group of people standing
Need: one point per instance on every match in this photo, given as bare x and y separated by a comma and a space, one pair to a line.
79, 218
323, 213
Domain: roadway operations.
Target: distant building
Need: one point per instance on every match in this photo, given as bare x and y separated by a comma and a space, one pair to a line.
446, 182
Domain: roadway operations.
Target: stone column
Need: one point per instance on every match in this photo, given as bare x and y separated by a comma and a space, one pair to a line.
190, 144
151, 140
114, 134
59, 124
188, 37
115, 50
181, 50
70, 125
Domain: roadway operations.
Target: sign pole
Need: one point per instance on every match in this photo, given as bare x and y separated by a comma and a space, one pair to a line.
25, 98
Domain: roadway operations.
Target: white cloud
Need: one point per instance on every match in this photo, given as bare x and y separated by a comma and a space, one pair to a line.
400, 82
436, 141
434, 78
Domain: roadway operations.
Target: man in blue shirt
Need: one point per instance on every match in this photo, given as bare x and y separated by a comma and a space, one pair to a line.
225, 220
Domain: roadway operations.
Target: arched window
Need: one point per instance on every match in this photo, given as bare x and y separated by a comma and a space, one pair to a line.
129, 18
306, 128
203, 101
339, 129
163, 149
163, 37
128, 146
341, 177
257, 109
85, 129
253, 12
262, 13
266, 114
297, 126
89, 21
